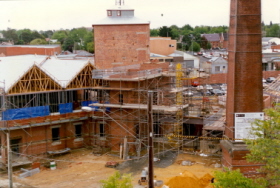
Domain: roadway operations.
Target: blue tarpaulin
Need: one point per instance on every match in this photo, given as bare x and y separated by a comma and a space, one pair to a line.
65, 108
24, 113
107, 108
87, 103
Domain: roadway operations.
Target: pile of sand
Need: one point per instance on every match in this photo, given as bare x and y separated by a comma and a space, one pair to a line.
187, 179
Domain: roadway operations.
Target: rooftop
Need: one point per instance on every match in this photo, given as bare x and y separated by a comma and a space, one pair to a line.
13, 68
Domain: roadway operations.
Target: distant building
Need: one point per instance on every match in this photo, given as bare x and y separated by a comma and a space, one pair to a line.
162, 45
224, 40
121, 39
213, 39
11, 50
215, 65
188, 61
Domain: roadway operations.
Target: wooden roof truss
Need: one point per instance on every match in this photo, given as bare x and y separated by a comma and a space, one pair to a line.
35, 80
84, 78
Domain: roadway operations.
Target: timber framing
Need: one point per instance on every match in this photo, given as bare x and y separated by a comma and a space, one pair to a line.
35, 80
84, 78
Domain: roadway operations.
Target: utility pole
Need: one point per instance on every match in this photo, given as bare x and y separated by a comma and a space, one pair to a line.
150, 135
10, 167
9, 151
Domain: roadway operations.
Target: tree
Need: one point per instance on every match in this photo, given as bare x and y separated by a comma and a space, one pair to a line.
25, 35
195, 47
88, 38
90, 47
154, 32
233, 179
60, 35
186, 47
208, 46
118, 181
265, 148
165, 32
273, 31
19, 42
187, 27
175, 32
68, 44
179, 46
38, 41
47, 34
36, 35
11, 35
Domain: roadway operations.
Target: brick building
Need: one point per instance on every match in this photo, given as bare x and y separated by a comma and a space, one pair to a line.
11, 50
121, 39
40, 105
214, 39
162, 45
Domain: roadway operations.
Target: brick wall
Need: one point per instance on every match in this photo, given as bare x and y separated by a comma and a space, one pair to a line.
120, 45
23, 50
162, 45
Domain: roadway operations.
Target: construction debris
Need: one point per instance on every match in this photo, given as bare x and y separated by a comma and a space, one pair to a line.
187, 163
28, 173
111, 164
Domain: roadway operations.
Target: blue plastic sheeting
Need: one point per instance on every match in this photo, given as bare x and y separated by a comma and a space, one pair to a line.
87, 103
24, 113
65, 108
107, 109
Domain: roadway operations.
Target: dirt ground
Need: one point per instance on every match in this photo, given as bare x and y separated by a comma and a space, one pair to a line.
81, 168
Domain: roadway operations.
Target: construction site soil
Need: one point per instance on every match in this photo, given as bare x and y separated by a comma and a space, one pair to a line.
83, 169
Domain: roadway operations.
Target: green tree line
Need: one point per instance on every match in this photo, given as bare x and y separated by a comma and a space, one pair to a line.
82, 38
74, 39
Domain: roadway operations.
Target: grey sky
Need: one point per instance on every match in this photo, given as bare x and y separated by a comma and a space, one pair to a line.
67, 14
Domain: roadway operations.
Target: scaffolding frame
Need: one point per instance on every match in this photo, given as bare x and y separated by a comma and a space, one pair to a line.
124, 91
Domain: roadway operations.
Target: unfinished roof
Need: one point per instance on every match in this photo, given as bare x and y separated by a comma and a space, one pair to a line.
63, 71
14, 68
134, 72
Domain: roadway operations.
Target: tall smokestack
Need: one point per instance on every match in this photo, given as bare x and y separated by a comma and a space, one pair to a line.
244, 79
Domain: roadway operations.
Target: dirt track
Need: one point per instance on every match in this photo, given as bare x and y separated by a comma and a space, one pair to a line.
83, 169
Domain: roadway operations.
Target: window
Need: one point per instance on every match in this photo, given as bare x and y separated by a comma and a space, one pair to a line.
217, 69
78, 131
118, 13
101, 130
109, 12
121, 98
55, 134
15, 143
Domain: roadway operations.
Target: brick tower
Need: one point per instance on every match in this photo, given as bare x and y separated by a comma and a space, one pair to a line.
121, 39
244, 77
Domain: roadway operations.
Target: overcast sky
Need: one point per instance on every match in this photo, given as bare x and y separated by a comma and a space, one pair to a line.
68, 14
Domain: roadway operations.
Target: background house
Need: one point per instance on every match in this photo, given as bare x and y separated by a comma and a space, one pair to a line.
213, 39
215, 65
